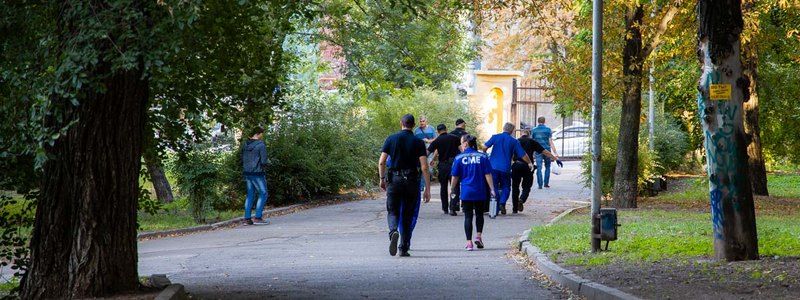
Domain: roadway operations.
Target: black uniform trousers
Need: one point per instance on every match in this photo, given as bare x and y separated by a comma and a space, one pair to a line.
520, 174
402, 191
444, 178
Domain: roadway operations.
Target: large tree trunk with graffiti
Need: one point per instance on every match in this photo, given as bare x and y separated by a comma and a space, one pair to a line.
723, 90
626, 174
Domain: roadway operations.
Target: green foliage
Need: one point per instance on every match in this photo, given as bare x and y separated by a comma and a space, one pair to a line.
198, 180
440, 106
670, 142
390, 45
319, 145
649, 164
651, 235
16, 220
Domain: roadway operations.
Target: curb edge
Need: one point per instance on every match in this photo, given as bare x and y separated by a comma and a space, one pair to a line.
174, 291
578, 285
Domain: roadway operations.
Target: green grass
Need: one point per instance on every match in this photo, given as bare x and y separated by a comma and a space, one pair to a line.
175, 219
779, 185
652, 235
7, 285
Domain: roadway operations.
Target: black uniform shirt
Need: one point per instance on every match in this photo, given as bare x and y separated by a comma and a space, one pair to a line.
459, 132
405, 150
529, 145
447, 145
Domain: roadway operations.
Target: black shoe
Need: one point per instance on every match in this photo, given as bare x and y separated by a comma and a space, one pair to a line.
445, 211
404, 253
453, 213
521, 207
247, 221
540, 188
503, 210
393, 237
547, 186
514, 211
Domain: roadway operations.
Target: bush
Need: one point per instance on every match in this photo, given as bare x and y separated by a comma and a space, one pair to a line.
649, 165
670, 141
441, 107
320, 144
198, 180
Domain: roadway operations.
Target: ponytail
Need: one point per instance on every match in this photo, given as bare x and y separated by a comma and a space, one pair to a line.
472, 141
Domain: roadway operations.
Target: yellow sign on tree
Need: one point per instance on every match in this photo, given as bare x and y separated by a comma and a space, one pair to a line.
720, 91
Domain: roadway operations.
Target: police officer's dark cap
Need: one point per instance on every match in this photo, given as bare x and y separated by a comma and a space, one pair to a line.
441, 127
460, 121
408, 120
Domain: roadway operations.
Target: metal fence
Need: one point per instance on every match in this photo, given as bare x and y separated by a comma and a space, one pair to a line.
571, 133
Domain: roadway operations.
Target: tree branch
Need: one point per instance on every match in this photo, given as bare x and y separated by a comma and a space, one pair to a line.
662, 27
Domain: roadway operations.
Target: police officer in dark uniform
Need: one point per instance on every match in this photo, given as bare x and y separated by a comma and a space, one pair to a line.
521, 173
401, 182
459, 132
445, 147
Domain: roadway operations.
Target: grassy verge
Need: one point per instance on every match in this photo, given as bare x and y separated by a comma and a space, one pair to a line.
651, 235
176, 215
676, 225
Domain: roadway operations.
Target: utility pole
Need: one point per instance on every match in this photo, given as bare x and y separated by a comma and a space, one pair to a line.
597, 112
651, 115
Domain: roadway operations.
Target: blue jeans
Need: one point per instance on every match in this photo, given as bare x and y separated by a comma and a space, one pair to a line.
502, 187
255, 184
539, 159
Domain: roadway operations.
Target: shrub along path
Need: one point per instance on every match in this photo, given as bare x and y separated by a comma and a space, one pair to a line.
340, 251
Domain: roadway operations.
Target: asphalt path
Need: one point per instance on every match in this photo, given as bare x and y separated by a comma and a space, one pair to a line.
341, 251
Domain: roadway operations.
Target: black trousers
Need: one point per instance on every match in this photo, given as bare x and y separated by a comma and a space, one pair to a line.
444, 180
473, 208
401, 193
520, 174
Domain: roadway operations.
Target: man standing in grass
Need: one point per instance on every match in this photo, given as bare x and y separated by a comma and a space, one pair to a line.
254, 163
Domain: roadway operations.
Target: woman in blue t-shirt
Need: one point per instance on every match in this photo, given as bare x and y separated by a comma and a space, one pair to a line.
474, 171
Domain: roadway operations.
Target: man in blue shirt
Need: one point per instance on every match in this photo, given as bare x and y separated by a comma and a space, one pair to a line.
504, 147
544, 136
474, 171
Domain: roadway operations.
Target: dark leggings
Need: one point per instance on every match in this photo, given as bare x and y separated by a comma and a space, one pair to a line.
472, 208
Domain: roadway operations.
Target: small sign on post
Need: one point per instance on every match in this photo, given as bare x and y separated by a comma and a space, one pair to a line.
719, 91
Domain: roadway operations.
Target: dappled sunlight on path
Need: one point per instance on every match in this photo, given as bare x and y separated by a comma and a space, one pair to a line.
340, 251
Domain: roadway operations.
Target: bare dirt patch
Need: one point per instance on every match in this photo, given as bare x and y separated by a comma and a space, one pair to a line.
701, 278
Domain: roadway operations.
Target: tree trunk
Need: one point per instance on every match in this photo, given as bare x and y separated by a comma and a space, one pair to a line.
84, 236
732, 208
758, 171
159, 179
627, 170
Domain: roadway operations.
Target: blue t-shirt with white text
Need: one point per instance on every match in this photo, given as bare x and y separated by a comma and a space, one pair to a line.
472, 167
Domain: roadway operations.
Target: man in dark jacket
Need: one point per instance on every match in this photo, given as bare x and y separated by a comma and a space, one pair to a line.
445, 147
254, 162
521, 172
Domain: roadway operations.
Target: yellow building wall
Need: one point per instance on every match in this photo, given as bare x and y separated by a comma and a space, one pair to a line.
492, 100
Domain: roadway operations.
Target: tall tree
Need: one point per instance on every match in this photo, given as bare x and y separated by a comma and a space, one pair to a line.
723, 90
84, 236
100, 76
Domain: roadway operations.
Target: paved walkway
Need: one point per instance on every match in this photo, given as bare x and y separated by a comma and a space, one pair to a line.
340, 251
